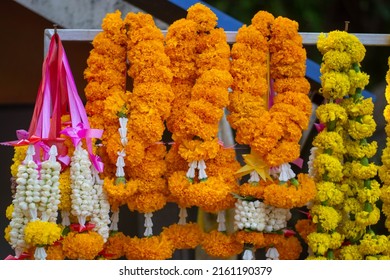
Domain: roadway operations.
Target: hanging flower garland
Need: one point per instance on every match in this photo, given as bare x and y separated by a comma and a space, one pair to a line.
267, 58
384, 170
200, 63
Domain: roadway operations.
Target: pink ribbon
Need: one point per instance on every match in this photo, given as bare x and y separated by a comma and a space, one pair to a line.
79, 132
319, 126
298, 162
288, 232
81, 228
21, 257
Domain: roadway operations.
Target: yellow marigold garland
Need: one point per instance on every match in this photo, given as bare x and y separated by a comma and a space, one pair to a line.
151, 248
186, 236
221, 245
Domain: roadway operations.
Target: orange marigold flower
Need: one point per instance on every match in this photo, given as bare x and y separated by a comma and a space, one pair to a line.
221, 245
82, 246
186, 236
148, 248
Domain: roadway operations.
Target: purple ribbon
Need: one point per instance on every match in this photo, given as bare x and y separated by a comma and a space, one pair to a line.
319, 126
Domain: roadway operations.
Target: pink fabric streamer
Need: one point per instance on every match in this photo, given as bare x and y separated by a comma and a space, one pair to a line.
319, 126
298, 162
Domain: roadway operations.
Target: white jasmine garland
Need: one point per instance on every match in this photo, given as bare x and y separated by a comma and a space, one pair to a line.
258, 216
81, 185
311, 170
101, 210
50, 192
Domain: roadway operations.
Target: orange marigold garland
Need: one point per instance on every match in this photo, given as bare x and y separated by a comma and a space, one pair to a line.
268, 59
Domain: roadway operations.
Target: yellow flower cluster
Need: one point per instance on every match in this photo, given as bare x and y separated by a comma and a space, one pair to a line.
384, 170
329, 193
41, 233
65, 190
326, 217
19, 156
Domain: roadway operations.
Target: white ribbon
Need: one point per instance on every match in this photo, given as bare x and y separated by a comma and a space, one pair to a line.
40, 253
286, 172
272, 254
148, 224
114, 221
202, 170
182, 216
221, 219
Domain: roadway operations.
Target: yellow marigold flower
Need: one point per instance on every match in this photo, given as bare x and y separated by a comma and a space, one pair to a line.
250, 36
203, 16
118, 193
316, 258
221, 245
178, 185
334, 85
326, 165
331, 112
384, 174
385, 193
304, 227
9, 211
372, 244
186, 236
284, 29
336, 240
352, 205
65, 190
335, 60
343, 42
352, 230
39, 233
82, 246
319, 242
329, 192
114, 247
148, 248
371, 194
55, 252
364, 129
7, 232
362, 107
363, 172
358, 150
350, 252
18, 158
327, 217
366, 218
330, 140
387, 94
357, 80
254, 238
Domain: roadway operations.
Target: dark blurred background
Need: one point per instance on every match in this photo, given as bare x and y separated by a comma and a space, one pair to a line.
22, 25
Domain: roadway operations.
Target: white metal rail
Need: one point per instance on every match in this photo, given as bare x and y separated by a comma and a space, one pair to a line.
309, 38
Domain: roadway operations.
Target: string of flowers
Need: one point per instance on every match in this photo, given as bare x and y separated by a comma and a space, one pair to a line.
149, 107
384, 169
201, 90
107, 96
347, 193
267, 59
